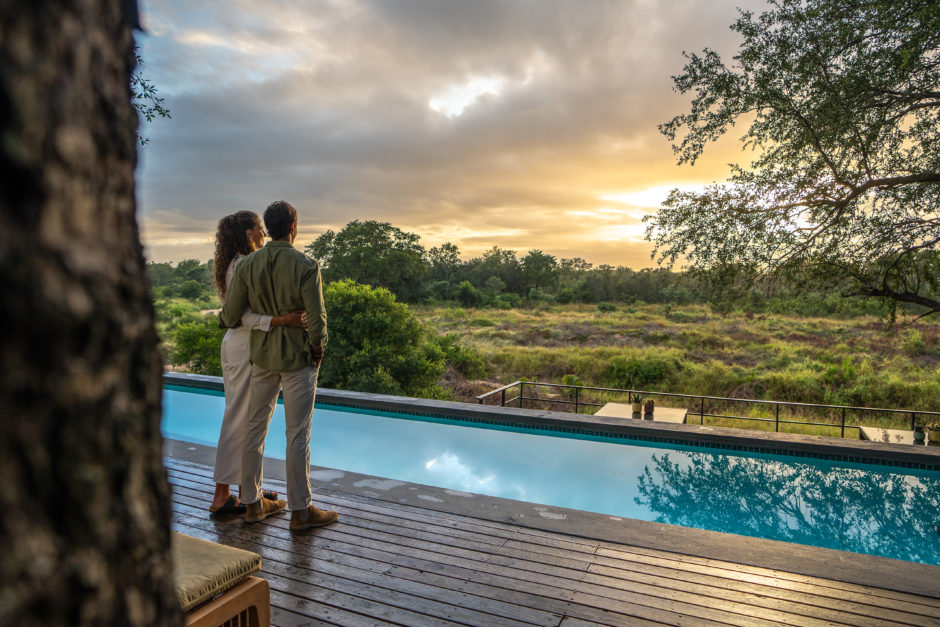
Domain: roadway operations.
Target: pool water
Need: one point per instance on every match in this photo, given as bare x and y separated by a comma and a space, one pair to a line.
871, 509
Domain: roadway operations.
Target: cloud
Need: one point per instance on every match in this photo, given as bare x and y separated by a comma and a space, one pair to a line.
480, 122
450, 472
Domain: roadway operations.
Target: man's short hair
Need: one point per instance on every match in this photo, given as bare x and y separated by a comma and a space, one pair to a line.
278, 218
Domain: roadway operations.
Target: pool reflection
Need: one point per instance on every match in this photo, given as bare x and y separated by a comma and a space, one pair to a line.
865, 511
448, 468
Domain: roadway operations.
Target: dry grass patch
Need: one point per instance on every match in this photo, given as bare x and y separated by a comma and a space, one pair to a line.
856, 361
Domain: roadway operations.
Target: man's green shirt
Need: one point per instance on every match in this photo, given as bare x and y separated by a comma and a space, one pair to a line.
275, 281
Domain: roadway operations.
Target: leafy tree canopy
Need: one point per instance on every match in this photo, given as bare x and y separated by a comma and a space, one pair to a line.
843, 101
498, 262
444, 261
539, 269
574, 265
375, 253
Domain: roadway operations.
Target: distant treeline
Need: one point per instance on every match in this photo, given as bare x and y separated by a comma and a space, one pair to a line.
378, 254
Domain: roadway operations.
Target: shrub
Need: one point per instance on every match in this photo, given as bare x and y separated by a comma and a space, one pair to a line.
537, 296
464, 360
198, 346
606, 307
377, 345
913, 343
570, 379
840, 374
506, 301
191, 289
175, 312
565, 295
481, 321
467, 295
677, 295
640, 371
439, 290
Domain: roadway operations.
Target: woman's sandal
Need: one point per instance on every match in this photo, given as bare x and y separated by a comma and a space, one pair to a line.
231, 506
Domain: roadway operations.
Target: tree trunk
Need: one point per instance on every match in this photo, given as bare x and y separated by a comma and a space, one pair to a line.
84, 502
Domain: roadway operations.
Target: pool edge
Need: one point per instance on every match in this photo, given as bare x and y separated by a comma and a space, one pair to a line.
743, 440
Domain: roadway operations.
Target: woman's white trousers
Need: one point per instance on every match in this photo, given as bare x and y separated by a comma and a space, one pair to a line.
236, 376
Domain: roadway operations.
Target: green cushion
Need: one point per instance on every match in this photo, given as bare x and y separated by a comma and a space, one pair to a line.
203, 570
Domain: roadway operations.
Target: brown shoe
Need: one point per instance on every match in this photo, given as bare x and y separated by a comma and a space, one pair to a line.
263, 508
311, 517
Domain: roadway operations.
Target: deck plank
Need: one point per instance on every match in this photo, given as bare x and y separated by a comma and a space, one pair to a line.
816, 601
390, 563
440, 519
332, 571
836, 586
577, 603
289, 610
817, 597
585, 604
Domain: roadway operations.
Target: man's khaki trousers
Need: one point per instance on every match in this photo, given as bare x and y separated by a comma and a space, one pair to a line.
299, 388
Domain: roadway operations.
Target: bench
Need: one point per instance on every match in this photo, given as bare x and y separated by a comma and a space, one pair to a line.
215, 587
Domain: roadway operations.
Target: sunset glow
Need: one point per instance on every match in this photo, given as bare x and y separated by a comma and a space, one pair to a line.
484, 125
651, 197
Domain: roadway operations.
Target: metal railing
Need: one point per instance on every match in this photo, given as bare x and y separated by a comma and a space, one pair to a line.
575, 395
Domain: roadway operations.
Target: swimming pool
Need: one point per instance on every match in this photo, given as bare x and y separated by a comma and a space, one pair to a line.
878, 510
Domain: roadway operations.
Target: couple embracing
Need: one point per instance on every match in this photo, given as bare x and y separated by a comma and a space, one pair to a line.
273, 308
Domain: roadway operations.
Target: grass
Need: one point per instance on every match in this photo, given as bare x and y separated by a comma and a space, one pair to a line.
690, 350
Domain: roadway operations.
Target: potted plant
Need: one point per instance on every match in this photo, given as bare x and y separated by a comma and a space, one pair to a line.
637, 403
933, 431
648, 406
919, 434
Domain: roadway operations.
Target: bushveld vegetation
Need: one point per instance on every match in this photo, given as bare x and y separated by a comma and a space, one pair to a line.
858, 360
811, 348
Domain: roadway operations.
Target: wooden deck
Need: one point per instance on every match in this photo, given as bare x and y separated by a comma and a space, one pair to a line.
386, 563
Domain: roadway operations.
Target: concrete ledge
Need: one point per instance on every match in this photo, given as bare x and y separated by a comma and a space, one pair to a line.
821, 447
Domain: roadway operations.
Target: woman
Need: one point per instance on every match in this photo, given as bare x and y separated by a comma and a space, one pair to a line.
238, 235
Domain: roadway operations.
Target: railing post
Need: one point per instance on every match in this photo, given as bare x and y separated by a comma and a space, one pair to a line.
913, 420
521, 392
701, 414
502, 400
576, 390
777, 419
843, 423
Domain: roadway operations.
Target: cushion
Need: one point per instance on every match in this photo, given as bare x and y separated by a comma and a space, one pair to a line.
203, 570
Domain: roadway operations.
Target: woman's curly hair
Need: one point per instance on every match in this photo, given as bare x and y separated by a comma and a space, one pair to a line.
231, 240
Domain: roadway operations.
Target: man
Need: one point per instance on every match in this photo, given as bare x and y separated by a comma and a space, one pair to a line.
276, 280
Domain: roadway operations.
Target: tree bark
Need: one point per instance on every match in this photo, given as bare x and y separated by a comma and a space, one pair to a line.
84, 502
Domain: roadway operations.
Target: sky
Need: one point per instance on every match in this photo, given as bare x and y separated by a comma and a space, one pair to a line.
523, 124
